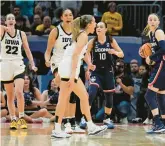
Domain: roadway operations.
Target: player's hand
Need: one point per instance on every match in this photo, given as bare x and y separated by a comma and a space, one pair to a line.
47, 63
7, 29
91, 67
118, 80
34, 68
112, 51
149, 61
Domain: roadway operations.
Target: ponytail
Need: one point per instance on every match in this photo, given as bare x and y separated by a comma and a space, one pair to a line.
75, 28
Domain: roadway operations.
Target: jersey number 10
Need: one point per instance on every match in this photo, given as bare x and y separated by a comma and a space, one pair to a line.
102, 56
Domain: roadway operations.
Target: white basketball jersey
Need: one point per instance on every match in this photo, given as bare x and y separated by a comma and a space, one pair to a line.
63, 40
11, 46
69, 52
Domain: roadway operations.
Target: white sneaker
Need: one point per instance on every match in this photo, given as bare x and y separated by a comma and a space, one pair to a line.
94, 130
60, 134
78, 130
124, 120
68, 128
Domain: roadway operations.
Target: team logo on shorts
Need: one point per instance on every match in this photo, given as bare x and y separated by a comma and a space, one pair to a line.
93, 79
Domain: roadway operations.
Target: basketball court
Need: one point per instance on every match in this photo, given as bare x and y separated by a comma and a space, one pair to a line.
39, 135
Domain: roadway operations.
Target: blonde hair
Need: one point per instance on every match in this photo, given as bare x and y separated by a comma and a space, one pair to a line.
146, 31
80, 23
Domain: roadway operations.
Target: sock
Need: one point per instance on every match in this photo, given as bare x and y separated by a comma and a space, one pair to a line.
13, 118
57, 127
21, 114
157, 120
90, 124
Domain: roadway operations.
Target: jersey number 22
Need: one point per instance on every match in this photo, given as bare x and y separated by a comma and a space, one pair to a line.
12, 50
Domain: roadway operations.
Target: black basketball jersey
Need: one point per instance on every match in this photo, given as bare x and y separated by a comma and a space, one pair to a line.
100, 56
155, 45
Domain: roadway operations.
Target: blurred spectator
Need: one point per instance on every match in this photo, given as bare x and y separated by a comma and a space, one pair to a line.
33, 101
75, 5
45, 5
134, 67
26, 7
2, 20
36, 21
17, 13
113, 19
38, 10
123, 91
21, 25
141, 112
50, 96
45, 28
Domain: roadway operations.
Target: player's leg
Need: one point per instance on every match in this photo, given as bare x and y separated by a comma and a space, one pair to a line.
60, 109
80, 90
108, 88
19, 73
69, 116
7, 80
9, 88
152, 102
161, 104
19, 84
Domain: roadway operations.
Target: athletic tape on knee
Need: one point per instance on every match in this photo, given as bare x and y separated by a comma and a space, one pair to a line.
150, 97
109, 99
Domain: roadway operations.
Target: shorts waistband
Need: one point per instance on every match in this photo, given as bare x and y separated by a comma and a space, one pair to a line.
67, 79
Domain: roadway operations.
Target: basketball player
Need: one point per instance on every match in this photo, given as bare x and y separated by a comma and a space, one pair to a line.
102, 47
59, 38
69, 70
156, 88
13, 68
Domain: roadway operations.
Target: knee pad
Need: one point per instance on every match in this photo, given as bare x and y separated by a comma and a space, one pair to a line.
161, 103
150, 97
73, 98
92, 93
109, 99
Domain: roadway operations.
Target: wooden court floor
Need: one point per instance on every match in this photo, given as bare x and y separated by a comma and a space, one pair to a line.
39, 135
